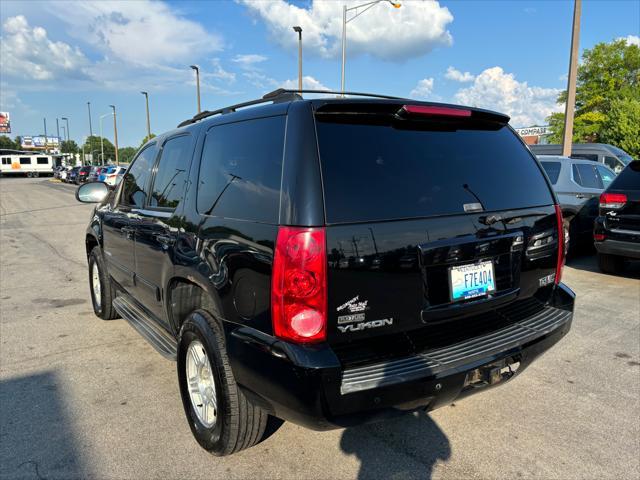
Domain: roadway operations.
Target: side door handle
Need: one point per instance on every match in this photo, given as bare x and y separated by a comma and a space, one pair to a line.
165, 240
580, 195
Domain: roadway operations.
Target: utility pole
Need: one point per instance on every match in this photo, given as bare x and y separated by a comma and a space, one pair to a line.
115, 132
344, 45
569, 110
67, 120
195, 67
58, 131
45, 136
146, 96
90, 132
299, 30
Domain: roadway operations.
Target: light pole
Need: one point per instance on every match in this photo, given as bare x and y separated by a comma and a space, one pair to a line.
344, 28
115, 132
299, 30
146, 96
101, 137
45, 135
567, 138
58, 128
90, 131
64, 132
67, 120
195, 67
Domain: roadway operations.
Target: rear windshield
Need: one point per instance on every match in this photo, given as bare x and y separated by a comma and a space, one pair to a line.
401, 170
629, 178
552, 169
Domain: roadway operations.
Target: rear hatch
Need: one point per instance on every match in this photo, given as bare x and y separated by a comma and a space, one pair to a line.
434, 224
623, 222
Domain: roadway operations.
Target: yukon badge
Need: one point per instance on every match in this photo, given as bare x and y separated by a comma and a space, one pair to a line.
354, 317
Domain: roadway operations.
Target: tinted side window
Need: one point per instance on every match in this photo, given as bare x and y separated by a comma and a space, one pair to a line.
168, 185
25, 161
43, 161
134, 190
606, 175
586, 176
552, 169
241, 169
6, 161
629, 178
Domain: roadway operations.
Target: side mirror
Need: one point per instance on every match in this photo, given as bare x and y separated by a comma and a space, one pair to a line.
93, 192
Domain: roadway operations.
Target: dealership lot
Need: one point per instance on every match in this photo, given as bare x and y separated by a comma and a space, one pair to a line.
80, 397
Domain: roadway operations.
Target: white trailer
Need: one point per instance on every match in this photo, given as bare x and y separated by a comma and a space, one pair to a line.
29, 164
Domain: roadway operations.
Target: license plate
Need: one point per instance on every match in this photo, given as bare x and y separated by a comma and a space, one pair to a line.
472, 281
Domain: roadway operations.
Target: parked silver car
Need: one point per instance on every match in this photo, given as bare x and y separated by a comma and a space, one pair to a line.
578, 185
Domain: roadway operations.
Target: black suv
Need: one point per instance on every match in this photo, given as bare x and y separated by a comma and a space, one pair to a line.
331, 261
616, 231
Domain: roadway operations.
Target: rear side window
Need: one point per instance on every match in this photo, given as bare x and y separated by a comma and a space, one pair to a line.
585, 156
43, 161
552, 169
25, 161
241, 170
168, 184
389, 171
606, 175
629, 178
134, 190
6, 161
586, 176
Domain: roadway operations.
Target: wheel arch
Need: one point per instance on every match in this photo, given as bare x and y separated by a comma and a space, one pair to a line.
186, 295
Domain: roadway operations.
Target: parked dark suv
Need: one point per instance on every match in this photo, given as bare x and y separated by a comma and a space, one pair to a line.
616, 231
331, 261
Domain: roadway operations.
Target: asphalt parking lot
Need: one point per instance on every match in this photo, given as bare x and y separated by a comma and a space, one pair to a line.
81, 397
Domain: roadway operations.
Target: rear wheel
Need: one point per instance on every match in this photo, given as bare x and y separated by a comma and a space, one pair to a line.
610, 263
221, 418
102, 291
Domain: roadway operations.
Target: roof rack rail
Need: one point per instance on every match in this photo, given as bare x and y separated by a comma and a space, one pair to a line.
277, 96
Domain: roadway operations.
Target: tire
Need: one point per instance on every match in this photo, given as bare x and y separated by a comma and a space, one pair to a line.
35, 174
103, 307
238, 424
610, 263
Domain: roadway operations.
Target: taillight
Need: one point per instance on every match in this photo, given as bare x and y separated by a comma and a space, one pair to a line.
599, 237
437, 111
299, 285
612, 200
561, 257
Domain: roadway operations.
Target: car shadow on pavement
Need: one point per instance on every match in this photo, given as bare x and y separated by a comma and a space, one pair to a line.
36, 438
405, 447
589, 263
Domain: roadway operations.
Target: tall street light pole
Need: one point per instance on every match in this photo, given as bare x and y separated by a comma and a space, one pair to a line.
569, 109
368, 5
195, 67
67, 120
58, 128
115, 132
299, 30
102, 137
90, 132
146, 97
45, 135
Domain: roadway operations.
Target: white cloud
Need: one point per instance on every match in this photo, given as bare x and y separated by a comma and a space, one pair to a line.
458, 76
143, 32
27, 52
384, 32
496, 90
249, 59
308, 83
423, 89
631, 40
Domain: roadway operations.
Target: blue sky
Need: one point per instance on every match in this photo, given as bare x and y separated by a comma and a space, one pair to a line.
507, 56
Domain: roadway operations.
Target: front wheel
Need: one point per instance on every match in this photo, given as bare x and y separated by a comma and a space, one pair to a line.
221, 418
102, 291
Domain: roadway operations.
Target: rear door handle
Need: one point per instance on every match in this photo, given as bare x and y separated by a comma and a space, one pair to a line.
165, 240
580, 195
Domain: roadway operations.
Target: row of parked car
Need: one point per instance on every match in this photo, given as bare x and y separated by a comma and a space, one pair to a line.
599, 208
110, 174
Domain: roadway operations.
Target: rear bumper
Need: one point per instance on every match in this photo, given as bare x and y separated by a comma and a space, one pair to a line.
307, 385
621, 242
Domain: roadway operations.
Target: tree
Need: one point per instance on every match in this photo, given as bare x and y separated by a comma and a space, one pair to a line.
608, 72
6, 142
68, 146
125, 155
92, 145
147, 138
622, 126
